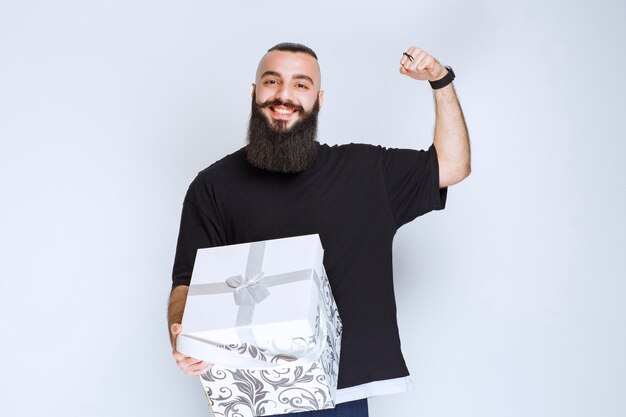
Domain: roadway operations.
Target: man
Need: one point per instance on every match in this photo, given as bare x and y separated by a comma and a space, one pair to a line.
284, 183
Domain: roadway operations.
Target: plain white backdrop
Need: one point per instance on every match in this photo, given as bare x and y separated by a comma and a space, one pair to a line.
510, 301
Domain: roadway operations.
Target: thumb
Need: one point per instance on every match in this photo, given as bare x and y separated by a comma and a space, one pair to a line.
176, 329
403, 70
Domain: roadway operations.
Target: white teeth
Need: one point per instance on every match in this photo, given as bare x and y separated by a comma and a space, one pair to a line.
282, 111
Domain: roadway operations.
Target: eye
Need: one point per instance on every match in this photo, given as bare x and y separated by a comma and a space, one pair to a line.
302, 86
270, 82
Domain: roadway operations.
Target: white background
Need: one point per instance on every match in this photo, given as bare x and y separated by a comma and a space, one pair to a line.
510, 301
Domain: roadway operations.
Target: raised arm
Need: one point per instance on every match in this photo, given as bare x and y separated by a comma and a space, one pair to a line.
451, 138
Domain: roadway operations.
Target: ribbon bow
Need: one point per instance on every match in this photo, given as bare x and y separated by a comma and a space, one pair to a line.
249, 289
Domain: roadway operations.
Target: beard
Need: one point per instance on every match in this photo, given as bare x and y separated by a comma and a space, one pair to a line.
278, 149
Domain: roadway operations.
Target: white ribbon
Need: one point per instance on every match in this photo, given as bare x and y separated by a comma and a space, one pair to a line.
249, 289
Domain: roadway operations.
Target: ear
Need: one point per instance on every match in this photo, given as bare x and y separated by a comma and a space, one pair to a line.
253, 89
320, 97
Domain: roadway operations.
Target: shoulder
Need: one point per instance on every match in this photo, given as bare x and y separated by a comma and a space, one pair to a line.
354, 151
222, 171
377, 151
225, 169
366, 157
353, 148
223, 166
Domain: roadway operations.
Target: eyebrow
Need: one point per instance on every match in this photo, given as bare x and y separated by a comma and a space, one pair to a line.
296, 77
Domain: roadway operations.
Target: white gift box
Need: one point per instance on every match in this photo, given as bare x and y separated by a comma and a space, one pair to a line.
264, 314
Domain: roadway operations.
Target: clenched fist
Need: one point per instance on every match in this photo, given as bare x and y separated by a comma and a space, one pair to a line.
418, 64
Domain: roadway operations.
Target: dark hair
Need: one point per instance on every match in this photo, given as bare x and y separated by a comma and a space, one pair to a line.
293, 47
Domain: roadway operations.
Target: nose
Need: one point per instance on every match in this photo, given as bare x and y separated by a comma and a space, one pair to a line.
284, 93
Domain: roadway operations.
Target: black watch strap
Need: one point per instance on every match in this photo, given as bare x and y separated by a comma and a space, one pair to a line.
447, 79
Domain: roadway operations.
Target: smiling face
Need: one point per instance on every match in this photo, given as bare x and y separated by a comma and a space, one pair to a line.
287, 87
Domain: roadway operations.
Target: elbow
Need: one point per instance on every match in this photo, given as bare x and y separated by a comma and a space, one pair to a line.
466, 171
463, 169
454, 176
461, 175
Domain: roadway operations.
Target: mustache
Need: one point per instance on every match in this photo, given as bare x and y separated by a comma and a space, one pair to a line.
278, 102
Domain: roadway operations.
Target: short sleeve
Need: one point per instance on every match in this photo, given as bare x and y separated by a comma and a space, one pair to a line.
412, 182
200, 227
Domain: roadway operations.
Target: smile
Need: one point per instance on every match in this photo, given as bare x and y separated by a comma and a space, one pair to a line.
282, 112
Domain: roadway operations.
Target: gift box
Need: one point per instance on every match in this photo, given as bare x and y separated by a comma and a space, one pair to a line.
263, 313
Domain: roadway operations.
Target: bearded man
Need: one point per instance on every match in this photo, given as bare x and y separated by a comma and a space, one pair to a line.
284, 183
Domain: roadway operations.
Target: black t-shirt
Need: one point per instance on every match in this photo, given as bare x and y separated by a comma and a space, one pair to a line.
355, 197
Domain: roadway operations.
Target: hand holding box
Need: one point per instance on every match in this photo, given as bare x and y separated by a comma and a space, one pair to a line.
264, 314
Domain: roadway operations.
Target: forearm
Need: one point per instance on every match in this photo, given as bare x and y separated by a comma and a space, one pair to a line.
451, 138
176, 306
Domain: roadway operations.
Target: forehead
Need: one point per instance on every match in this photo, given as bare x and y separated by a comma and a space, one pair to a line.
288, 64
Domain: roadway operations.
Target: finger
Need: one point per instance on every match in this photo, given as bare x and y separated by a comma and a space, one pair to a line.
414, 52
404, 58
198, 369
187, 361
404, 62
183, 360
408, 57
425, 64
197, 366
419, 56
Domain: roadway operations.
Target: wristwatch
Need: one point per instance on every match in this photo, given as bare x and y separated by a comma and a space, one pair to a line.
442, 82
